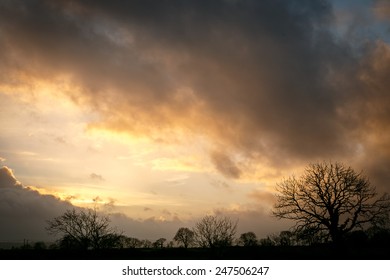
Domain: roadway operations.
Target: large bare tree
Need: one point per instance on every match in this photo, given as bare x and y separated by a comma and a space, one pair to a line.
215, 231
330, 199
83, 229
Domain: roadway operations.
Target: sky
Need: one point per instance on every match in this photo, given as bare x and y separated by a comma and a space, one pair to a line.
162, 112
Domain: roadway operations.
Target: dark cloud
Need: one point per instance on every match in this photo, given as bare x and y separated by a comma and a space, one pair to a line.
268, 80
23, 211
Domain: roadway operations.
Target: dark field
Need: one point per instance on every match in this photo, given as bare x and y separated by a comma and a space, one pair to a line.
233, 253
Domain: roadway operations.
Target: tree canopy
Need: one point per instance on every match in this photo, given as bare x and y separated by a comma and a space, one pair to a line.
330, 199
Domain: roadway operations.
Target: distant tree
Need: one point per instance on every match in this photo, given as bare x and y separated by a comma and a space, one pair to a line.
122, 241
286, 238
159, 243
146, 243
330, 199
185, 237
83, 229
214, 231
266, 241
130, 242
248, 239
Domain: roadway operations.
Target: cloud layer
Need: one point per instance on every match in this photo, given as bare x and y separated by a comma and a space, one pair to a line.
267, 83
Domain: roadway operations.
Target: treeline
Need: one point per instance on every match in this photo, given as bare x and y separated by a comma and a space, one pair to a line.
87, 230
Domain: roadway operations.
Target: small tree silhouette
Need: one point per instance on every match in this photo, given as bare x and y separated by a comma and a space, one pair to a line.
159, 243
248, 239
330, 199
185, 236
214, 231
267, 242
130, 242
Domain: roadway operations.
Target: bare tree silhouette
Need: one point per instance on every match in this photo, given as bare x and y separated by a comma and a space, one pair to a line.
83, 229
330, 199
214, 231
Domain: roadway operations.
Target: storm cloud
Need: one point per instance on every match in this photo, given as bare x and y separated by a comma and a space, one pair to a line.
269, 81
23, 211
